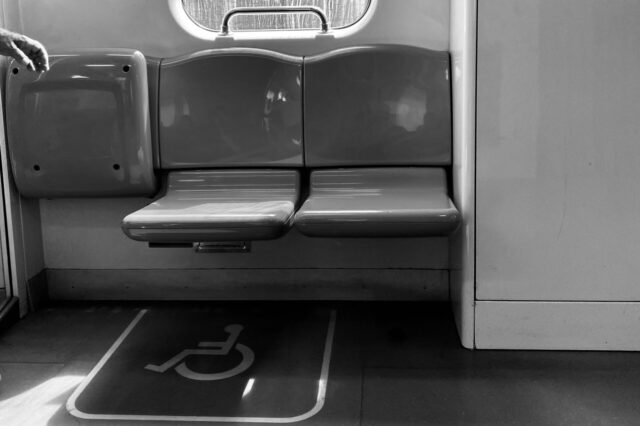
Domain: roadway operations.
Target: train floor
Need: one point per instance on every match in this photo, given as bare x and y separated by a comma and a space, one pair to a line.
346, 363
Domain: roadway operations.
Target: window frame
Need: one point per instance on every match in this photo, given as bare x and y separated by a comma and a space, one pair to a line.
315, 30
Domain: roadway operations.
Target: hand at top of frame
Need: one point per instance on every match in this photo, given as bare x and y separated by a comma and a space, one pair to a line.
25, 50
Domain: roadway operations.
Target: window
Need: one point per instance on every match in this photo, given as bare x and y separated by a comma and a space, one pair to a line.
340, 13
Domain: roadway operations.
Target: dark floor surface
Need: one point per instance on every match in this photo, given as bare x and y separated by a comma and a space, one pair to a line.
392, 364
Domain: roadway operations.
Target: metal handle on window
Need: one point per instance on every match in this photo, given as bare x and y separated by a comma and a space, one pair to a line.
294, 9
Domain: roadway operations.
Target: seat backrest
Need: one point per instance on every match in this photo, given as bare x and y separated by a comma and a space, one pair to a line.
377, 105
83, 127
231, 107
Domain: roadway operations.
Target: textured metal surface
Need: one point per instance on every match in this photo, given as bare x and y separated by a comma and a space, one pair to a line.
83, 127
272, 10
409, 202
231, 107
209, 14
377, 105
209, 205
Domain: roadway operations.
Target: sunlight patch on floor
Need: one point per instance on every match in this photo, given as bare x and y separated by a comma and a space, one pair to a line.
37, 405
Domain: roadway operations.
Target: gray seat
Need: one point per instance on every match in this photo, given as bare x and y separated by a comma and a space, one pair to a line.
218, 205
386, 108
378, 202
377, 105
82, 129
236, 107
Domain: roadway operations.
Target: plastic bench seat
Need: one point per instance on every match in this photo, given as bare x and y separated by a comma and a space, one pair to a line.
218, 205
378, 202
83, 128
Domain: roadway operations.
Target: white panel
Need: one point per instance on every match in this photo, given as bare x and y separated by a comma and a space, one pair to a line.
558, 152
4, 259
558, 325
463, 57
23, 233
150, 26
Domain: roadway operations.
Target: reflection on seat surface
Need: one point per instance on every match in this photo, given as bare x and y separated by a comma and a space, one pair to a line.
82, 129
218, 205
382, 202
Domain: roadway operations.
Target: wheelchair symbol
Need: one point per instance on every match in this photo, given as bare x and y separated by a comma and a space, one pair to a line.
218, 348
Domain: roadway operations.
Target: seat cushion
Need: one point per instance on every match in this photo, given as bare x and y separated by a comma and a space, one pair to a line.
377, 105
218, 205
231, 107
378, 202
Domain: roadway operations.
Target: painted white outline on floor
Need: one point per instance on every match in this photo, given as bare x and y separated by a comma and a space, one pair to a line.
322, 388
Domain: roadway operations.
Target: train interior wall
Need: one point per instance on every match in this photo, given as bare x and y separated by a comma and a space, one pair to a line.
555, 177
557, 153
80, 245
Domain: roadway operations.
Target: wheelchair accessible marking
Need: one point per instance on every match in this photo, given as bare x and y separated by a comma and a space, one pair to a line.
204, 348
222, 348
